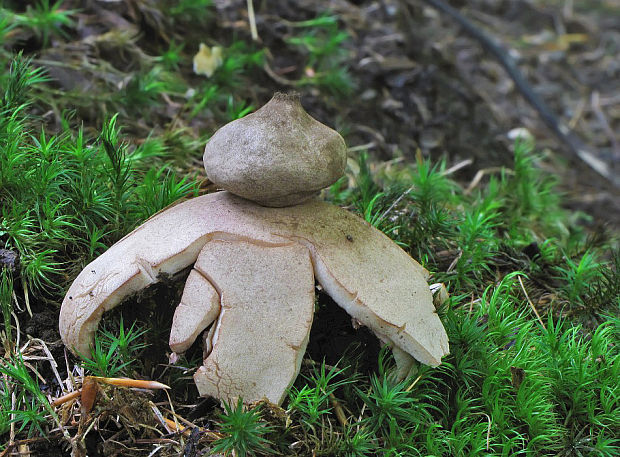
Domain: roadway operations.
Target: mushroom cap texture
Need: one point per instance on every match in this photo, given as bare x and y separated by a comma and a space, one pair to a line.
277, 156
364, 271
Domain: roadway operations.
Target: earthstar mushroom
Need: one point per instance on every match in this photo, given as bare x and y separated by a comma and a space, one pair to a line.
251, 288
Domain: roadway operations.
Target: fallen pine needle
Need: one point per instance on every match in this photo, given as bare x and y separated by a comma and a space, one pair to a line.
338, 410
408, 389
121, 382
531, 304
172, 425
137, 383
67, 397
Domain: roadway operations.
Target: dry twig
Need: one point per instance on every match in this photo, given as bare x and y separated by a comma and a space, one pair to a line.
530, 302
573, 143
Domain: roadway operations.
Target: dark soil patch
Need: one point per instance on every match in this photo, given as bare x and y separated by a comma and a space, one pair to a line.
43, 324
334, 339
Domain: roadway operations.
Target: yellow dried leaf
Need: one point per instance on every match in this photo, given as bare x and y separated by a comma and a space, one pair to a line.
207, 60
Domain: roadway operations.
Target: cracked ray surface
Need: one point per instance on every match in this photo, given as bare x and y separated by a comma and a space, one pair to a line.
267, 306
199, 307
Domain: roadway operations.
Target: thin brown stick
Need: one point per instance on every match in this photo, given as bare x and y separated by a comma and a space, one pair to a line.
574, 144
408, 389
455, 261
531, 304
396, 202
13, 407
456, 167
488, 430
50, 358
577, 114
66, 397
8, 450
137, 383
17, 329
276, 77
481, 174
595, 103
27, 298
190, 425
252, 19
177, 428
338, 410
362, 147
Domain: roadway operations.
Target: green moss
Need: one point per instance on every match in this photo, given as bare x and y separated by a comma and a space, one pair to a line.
511, 385
66, 197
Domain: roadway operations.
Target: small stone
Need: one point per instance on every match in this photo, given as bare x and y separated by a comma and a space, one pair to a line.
8, 259
277, 156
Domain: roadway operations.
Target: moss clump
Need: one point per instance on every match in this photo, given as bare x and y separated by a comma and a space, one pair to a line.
514, 383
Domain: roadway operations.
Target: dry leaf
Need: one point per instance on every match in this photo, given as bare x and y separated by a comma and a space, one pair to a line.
207, 60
